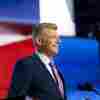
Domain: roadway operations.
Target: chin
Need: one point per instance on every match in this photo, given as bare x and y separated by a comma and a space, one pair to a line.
55, 52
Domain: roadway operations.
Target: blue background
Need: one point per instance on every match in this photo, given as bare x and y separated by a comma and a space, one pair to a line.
78, 61
26, 11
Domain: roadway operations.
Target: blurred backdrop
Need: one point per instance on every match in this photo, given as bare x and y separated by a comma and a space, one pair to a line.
78, 23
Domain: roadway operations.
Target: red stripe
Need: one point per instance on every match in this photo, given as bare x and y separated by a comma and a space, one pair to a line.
8, 56
19, 28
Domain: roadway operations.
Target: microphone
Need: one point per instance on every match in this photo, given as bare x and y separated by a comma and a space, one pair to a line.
87, 87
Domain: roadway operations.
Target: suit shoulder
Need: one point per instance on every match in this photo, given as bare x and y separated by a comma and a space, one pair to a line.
28, 60
23, 65
25, 59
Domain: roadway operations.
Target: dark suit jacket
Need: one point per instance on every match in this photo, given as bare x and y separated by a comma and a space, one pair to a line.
31, 78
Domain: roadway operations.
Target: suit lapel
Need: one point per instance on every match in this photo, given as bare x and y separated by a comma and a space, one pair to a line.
47, 73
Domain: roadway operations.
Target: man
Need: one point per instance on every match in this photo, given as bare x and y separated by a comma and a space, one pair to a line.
37, 77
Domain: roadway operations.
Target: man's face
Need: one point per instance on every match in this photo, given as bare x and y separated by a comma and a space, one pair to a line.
50, 41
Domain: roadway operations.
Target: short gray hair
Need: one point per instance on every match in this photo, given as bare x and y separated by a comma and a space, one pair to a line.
37, 28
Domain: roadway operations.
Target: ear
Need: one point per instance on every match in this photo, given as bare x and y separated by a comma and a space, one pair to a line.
38, 41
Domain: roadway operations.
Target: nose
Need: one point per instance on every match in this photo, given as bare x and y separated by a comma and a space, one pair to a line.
58, 41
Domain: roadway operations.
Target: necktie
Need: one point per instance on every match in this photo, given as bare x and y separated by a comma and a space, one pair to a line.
57, 78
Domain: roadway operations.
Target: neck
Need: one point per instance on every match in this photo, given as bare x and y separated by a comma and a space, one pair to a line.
47, 54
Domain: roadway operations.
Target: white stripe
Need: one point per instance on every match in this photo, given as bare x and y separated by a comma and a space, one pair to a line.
57, 11
6, 39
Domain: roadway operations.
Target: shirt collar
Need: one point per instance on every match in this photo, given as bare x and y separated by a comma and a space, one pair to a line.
44, 58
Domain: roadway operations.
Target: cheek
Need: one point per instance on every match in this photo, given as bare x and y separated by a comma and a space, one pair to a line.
51, 44
46, 43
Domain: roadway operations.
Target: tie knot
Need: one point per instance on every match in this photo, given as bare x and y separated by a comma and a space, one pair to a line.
51, 64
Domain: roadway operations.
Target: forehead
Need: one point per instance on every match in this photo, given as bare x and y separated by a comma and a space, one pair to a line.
50, 32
